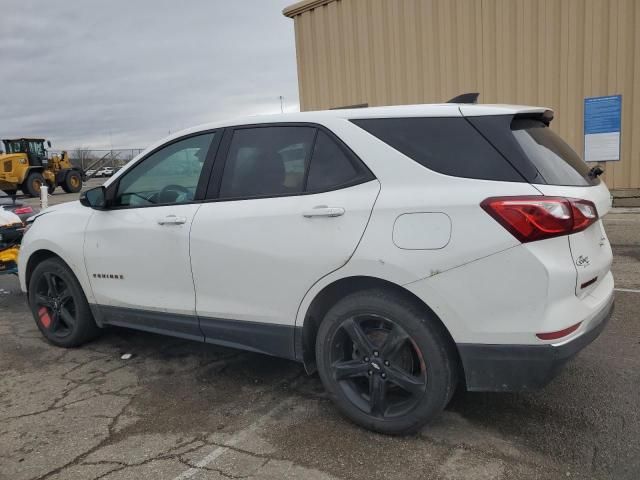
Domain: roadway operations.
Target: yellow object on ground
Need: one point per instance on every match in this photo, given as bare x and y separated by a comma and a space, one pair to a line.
9, 260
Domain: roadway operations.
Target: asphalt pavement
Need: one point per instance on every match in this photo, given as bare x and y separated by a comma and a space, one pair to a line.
178, 409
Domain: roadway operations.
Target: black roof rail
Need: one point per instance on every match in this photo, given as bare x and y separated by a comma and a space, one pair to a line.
347, 107
465, 98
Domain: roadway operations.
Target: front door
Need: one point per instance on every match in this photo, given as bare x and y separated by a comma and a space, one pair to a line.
137, 251
291, 207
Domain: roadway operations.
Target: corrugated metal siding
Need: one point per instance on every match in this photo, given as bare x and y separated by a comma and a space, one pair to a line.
539, 52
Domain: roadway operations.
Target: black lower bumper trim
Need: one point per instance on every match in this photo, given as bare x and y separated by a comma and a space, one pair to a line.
511, 368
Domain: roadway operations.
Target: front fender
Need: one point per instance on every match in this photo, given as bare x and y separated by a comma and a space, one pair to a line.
60, 231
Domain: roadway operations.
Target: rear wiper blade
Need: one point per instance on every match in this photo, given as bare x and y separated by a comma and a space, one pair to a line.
595, 172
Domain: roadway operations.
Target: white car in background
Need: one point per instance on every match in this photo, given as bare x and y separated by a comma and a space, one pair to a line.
105, 172
399, 251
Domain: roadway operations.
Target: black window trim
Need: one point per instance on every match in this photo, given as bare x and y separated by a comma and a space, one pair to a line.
215, 182
203, 180
473, 126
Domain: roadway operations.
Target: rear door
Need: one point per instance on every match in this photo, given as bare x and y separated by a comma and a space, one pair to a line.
590, 249
288, 205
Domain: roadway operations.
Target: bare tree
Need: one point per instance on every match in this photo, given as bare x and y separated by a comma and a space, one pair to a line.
82, 157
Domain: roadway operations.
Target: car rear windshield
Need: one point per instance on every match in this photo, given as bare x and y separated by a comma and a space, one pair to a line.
448, 145
557, 163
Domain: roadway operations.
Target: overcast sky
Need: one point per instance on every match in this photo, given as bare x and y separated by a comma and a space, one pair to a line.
124, 73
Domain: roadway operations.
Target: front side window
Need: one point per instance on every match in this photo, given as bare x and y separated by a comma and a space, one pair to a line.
168, 176
266, 161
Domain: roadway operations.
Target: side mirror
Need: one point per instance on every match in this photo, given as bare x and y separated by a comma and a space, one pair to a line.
49, 143
94, 198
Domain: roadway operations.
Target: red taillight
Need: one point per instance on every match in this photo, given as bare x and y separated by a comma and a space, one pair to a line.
559, 333
23, 210
531, 218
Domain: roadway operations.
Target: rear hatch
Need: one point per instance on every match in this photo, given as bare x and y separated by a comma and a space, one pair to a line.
555, 169
590, 248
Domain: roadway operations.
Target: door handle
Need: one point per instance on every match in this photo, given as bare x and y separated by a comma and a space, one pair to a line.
324, 211
172, 220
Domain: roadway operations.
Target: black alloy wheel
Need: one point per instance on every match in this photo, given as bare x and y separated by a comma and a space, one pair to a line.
55, 305
377, 366
386, 360
59, 306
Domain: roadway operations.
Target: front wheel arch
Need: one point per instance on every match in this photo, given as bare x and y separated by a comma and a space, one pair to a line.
36, 258
43, 254
305, 337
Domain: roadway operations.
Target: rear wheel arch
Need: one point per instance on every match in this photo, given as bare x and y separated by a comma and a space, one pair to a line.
335, 291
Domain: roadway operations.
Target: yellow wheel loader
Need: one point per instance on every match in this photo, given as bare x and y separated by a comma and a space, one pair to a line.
25, 166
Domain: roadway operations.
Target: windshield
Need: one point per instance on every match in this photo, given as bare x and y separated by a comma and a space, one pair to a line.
556, 162
36, 148
13, 146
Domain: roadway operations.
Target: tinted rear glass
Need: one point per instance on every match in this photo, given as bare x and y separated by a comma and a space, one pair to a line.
330, 167
446, 145
556, 162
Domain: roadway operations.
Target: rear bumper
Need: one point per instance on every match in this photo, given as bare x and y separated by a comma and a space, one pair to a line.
509, 368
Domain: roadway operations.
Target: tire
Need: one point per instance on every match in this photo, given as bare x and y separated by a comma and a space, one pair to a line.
59, 306
32, 184
72, 182
397, 342
51, 187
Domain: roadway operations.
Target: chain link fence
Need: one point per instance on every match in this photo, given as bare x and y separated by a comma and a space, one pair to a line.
91, 159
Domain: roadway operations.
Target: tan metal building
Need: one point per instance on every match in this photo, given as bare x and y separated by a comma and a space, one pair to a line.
534, 52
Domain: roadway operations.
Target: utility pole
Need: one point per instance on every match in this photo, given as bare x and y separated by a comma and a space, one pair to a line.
281, 104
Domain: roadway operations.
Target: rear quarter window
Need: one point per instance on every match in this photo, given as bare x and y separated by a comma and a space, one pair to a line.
449, 145
556, 162
330, 167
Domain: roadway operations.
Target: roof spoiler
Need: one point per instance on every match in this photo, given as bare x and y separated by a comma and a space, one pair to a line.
545, 117
465, 98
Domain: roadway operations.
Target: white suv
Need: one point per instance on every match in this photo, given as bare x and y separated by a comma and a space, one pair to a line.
105, 172
398, 251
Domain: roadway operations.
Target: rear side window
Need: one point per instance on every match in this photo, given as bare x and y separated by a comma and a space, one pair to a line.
557, 163
265, 161
330, 167
446, 145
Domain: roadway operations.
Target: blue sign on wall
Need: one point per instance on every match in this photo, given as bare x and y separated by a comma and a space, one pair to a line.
602, 126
